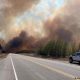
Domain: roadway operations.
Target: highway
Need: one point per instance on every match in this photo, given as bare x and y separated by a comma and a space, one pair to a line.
19, 67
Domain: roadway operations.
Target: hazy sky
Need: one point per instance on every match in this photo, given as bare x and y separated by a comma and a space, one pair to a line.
31, 15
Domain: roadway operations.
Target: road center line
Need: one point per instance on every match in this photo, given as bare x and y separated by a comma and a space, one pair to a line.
53, 69
14, 69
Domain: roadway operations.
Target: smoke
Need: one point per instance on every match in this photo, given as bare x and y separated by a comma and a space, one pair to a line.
9, 9
65, 25
21, 42
19, 6
64, 34
39, 18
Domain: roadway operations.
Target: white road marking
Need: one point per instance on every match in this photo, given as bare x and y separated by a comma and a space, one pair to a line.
14, 69
53, 69
58, 62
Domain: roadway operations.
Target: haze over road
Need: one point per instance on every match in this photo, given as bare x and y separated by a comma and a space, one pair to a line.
18, 67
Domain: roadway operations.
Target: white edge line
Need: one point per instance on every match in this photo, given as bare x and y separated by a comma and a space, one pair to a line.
14, 69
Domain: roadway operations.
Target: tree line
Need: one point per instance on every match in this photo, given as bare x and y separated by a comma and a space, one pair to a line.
58, 48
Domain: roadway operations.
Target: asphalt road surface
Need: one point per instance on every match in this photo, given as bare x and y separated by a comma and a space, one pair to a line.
18, 67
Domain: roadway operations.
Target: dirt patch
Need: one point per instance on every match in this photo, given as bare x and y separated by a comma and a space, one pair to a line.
3, 55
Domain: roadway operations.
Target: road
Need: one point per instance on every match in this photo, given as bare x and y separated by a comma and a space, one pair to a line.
19, 67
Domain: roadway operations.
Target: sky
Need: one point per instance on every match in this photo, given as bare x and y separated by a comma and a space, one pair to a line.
32, 16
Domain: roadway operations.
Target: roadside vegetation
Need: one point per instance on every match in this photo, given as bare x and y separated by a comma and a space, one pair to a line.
58, 49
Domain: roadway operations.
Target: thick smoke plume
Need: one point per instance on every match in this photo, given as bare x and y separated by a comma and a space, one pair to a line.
21, 42
56, 30
65, 26
9, 9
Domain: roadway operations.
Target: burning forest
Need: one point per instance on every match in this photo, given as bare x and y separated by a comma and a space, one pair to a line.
30, 24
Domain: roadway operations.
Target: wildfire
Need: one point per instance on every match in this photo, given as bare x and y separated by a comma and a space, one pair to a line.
32, 21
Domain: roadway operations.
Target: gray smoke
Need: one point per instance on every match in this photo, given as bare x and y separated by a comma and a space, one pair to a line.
67, 24
10, 9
